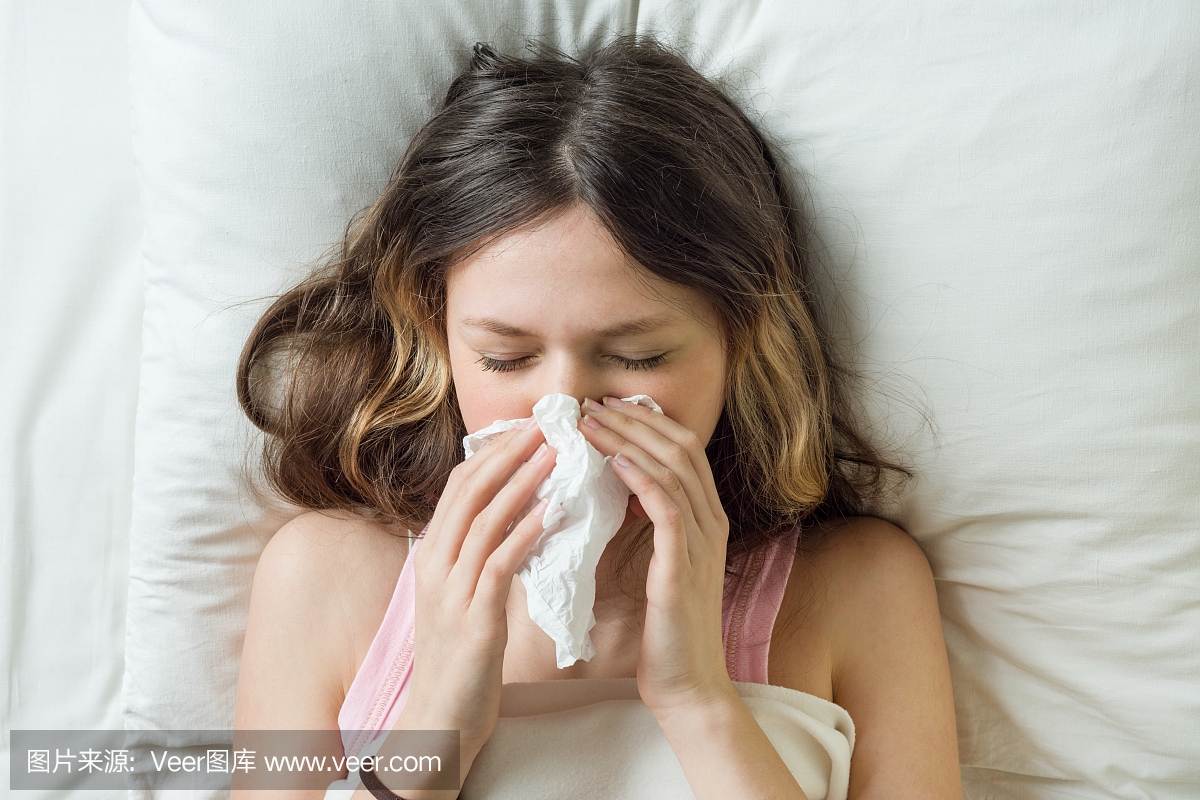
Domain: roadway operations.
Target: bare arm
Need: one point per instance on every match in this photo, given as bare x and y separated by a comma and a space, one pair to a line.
725, 753
299, 649
890, 669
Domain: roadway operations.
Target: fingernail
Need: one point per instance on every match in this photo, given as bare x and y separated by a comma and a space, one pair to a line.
622, 460
529, 423
592, 405
591, 423
613, 402
537, 456
540, 508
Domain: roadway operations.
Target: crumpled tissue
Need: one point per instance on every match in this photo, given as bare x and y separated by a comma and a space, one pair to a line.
586, 504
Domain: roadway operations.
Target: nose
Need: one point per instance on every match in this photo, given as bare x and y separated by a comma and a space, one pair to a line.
570, 376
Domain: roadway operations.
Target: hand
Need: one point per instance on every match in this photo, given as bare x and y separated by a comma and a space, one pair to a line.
682, 659
464, 570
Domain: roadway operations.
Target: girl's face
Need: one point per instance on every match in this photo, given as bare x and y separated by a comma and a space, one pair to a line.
559, 308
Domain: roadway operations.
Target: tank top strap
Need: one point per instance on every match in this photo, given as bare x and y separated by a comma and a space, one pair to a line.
377, 695
754, 588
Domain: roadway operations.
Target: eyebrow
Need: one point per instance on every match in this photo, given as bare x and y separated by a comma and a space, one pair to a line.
628, 328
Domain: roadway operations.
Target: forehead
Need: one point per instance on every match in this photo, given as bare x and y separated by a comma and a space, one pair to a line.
565, 270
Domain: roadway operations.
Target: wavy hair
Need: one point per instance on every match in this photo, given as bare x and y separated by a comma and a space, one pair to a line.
348, 372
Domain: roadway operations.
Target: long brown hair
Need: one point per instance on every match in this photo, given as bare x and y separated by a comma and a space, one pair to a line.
348, 372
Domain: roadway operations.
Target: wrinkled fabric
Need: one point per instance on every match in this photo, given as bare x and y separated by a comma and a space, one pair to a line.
594, 739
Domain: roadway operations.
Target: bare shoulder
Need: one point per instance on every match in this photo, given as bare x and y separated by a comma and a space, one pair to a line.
321, 588
867, 561
841, 570
885, 657
330, 548
861, 572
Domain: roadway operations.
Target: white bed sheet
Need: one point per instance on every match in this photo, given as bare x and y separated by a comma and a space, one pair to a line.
70, 327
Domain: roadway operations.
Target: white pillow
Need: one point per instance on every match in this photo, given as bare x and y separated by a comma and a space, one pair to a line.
1011, 199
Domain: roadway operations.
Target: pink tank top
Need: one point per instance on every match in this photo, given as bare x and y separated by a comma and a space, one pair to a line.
754, 587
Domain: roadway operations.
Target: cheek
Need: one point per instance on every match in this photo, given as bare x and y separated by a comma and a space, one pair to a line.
482, 397
695, 396
471, 403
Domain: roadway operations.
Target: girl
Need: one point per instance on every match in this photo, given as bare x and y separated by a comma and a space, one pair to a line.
600, 227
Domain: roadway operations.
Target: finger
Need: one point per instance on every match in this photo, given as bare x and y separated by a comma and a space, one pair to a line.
666, 461
611, 443
473, 485
451, 491
670, 521
495, 578
494, 521
675, 432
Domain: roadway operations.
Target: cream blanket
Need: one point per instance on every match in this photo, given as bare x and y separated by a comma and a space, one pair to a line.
588, 739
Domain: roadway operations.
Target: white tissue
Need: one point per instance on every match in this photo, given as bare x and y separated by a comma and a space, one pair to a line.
586, 506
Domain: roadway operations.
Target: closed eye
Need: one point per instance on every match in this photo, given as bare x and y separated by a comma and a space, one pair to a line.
502, 365
641, 363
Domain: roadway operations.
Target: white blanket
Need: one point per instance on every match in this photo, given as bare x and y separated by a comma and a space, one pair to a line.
588, 739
